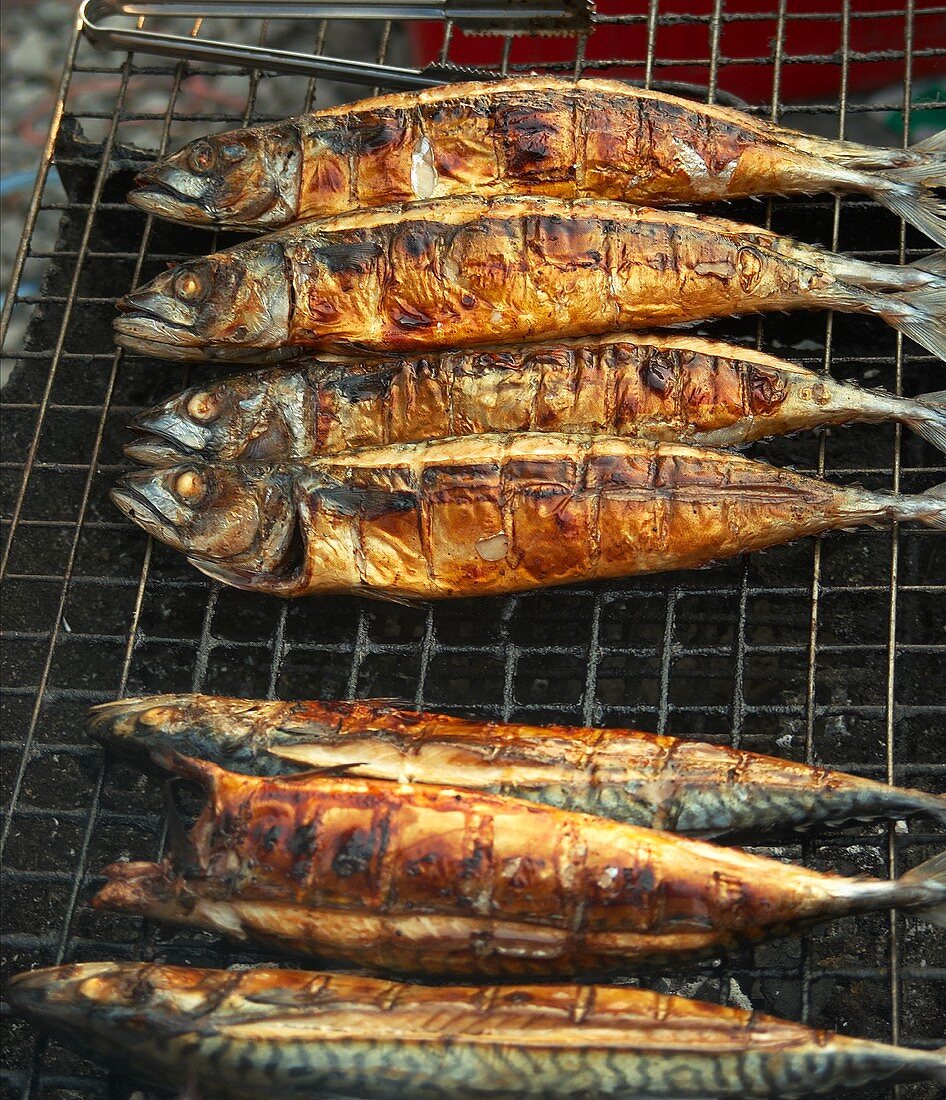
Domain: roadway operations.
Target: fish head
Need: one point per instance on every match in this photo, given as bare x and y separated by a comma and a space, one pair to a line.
233, 305
244, 516
242, 179
241, 418
144, 730
123, 1013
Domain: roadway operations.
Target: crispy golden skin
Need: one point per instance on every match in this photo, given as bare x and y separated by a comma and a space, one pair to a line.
433, 880
654, 386
527, 135
469, 272
285, 1034
487, 515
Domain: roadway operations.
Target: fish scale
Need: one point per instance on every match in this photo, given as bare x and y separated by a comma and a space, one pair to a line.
290, 1032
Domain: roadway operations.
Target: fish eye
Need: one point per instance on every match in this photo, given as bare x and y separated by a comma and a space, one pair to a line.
234, 152
190, 487
204, 407
155, 716
203, 157
188, 286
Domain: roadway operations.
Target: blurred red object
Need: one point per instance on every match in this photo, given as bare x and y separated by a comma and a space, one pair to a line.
810, 56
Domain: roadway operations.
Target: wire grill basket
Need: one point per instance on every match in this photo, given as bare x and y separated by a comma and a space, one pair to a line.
828, 651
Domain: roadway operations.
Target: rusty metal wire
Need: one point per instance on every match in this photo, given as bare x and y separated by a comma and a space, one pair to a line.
829, 650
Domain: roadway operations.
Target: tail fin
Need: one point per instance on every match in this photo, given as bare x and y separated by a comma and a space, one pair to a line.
927, 417
928, 507
920, 315
928, 885
910, 192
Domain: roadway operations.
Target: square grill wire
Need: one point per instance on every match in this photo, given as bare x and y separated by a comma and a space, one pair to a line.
826, 651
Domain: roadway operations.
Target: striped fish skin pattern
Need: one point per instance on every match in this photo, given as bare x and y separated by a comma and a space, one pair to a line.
468, 272
488, 515
682, 389
291, 1034
525, 135
692, 787
425, 880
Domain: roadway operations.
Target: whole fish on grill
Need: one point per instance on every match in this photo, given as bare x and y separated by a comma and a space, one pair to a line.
662, 782
285, 1034
672, 388
490, 514
528, 135
427, 880
464, 272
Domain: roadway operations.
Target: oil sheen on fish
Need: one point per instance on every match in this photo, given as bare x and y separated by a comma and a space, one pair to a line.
464, 272
529, 135
670, 388
285, 1034
427, 880
688, 787
490, 514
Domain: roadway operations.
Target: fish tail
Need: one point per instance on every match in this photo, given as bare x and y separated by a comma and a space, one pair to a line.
927, 417
923, 890
919, 313
910, 191
928, 507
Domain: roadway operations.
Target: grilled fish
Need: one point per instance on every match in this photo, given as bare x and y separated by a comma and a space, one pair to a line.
285, 1034
430, 880
491, 514
670, 388
661, 782
530, 135
466, 272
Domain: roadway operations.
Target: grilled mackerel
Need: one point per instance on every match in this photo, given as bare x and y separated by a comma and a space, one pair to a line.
431, 880
284, 1034
491, 514
661, 782
671, 388
466, 272
590, 138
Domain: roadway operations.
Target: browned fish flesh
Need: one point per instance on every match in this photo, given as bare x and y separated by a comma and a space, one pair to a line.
490, 514
469, 272
526, 136
690, 787
670, 388
429, 880
289, 1034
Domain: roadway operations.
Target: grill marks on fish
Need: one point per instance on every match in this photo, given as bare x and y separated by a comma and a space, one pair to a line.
422, 879
666, 388
235, 1033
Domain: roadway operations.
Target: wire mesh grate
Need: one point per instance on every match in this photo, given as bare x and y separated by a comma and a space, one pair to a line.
829, 651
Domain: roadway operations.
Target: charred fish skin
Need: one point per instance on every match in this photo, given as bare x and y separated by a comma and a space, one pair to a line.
539, 135
666, 388
488, 515
691, 787
467, 272
415, 879
294, 1033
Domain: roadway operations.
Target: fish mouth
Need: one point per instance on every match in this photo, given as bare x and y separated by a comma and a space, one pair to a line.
161, 445
143, 326
137, 507
156, 195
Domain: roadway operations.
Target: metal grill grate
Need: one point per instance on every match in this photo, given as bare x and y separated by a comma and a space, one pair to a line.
826, 650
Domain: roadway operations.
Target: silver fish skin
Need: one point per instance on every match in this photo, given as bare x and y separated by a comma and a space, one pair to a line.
289, 1034
682, 389
292, 1034
525, 135
469, 272
489, 514
640, 778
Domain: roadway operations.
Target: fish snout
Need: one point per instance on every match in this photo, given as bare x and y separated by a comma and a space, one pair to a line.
176, 194
146, 500
153, 322
165, 437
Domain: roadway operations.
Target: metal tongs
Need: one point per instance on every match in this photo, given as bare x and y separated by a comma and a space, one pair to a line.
498, 17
